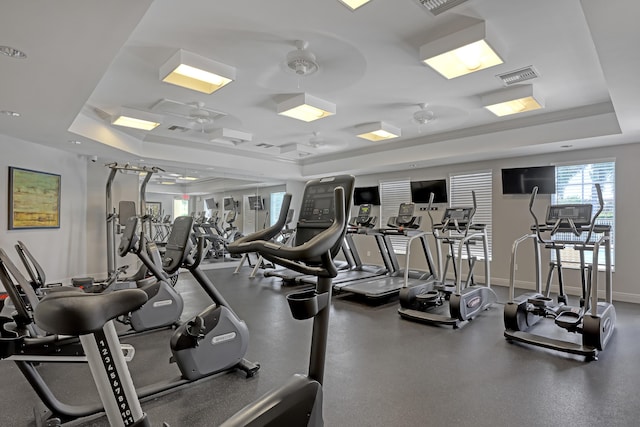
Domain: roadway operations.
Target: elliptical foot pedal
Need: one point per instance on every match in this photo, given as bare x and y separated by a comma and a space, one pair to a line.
428, 297
540, 301
447, 288
569, 320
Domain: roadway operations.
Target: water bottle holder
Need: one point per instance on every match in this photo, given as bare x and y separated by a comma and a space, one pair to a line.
306, 304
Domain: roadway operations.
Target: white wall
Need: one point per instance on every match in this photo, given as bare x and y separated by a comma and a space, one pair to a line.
61, 252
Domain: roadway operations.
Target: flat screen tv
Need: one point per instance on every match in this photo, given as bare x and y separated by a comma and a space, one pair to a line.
255, 203
421, 191
366, 196
210, 203
229, 204
522, 180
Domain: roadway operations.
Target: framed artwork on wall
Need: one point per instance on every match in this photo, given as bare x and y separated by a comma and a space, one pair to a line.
34, 199
154, 209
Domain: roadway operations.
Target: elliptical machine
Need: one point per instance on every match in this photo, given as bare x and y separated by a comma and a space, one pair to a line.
213, 341
299, 402
422, 301
593, 319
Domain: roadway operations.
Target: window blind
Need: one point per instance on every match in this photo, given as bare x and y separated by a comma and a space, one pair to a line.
575, 183
460, 188
392, 194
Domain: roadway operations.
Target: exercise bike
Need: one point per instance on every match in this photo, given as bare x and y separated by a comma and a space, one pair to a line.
299, 402
211, 342
568, 226
164, 306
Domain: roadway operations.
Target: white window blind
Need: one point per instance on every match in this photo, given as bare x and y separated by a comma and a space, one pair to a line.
460, 188
575, 184
392, 194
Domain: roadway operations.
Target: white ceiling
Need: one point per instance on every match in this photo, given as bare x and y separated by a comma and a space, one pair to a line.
88, 58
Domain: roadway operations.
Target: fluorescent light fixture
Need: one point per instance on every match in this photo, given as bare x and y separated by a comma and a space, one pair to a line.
354, 4
378, 131
136, 119
196, 72
461, 52
188, 178
512, 100
306, 107
230, 136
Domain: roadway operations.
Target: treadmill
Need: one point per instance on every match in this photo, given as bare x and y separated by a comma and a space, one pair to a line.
356, 270
404, 224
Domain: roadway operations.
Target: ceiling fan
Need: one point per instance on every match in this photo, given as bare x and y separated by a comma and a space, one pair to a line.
319, 142
198, 116
423, 116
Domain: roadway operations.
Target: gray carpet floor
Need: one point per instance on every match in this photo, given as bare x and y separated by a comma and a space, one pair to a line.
381, 370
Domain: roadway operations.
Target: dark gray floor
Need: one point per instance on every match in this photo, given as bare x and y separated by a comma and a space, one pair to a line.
381, 370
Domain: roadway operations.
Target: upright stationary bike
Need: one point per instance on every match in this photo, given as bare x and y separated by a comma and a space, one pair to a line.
321, 228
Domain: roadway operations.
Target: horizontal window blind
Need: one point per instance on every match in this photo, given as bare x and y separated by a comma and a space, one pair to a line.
460, 188
576, 184
392, 194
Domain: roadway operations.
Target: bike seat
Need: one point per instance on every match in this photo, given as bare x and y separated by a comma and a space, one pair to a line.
78, 313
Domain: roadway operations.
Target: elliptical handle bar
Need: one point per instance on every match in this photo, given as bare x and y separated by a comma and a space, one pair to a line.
534, 193
431, 197
317, 246
600, 209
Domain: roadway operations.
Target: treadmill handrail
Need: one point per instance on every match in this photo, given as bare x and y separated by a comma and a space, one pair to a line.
291, 256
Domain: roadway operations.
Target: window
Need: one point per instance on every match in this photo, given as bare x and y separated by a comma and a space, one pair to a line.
575, 184
392, 194
460, 188
275, 205
180, 208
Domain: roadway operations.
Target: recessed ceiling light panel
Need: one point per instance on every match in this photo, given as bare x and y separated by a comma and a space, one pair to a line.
354, 4
136, 119
378, 131
306, 107
195, 72
462, 52
512, 100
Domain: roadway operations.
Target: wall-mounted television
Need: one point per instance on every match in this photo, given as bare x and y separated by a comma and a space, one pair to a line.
421, 191
256, 203
210, 203
522, 180
366, 196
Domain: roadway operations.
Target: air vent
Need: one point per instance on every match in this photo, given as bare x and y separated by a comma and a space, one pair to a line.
436, 7
177, 128
518, 76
